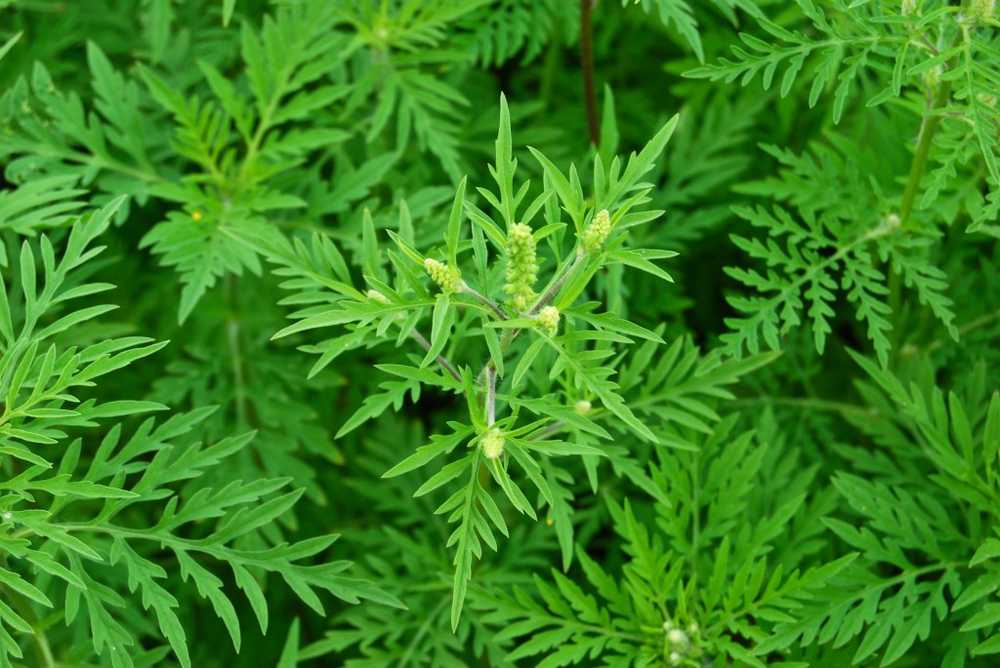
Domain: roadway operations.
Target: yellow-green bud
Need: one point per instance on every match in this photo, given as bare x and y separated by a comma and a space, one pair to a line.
449, 279
908, 8
982, 10
522, 266
932, 76
582, 407
597, 232
678, 639
492, 443
548, 320
376, 296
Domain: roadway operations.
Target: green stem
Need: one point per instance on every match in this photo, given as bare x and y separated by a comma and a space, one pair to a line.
928, 127
236, 353
441, 359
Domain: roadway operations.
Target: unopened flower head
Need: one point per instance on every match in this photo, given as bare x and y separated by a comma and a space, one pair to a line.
548, 320
522, 266
908, 7
675, 658
678, 639
597, 232
932, 76
492, 443
376, 296
982, 10
582, 407
449, 279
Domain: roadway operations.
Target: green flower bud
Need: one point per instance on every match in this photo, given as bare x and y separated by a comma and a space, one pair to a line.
492, 443
932, 76
376, 296
908, 7
449, 279
678, 639
548, 320
982, 10
522, 266
597, 232
582, 407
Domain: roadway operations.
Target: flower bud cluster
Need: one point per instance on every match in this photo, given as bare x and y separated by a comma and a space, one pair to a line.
548, 320
680, 644
932, 76
522, 266
596, 232
982, 10
449, 279
377, 296
492, 443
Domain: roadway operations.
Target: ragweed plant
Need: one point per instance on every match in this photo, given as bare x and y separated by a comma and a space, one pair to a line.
485, 350
692, 362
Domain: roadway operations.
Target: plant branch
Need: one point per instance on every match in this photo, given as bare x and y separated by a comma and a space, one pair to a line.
441, 359
491, 394
556, 285
928, 126
483, 299
544, 300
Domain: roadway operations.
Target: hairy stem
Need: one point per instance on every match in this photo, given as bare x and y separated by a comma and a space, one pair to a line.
928, 126
544, 300
441, 359
491, 394
587, 67
556, 285
483, 299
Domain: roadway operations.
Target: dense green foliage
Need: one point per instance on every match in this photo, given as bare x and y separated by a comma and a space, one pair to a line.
388, 333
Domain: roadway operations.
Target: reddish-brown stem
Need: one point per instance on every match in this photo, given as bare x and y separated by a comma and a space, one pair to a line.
587, 66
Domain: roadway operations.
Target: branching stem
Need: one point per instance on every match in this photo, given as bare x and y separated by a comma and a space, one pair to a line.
441, 359
483, 299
